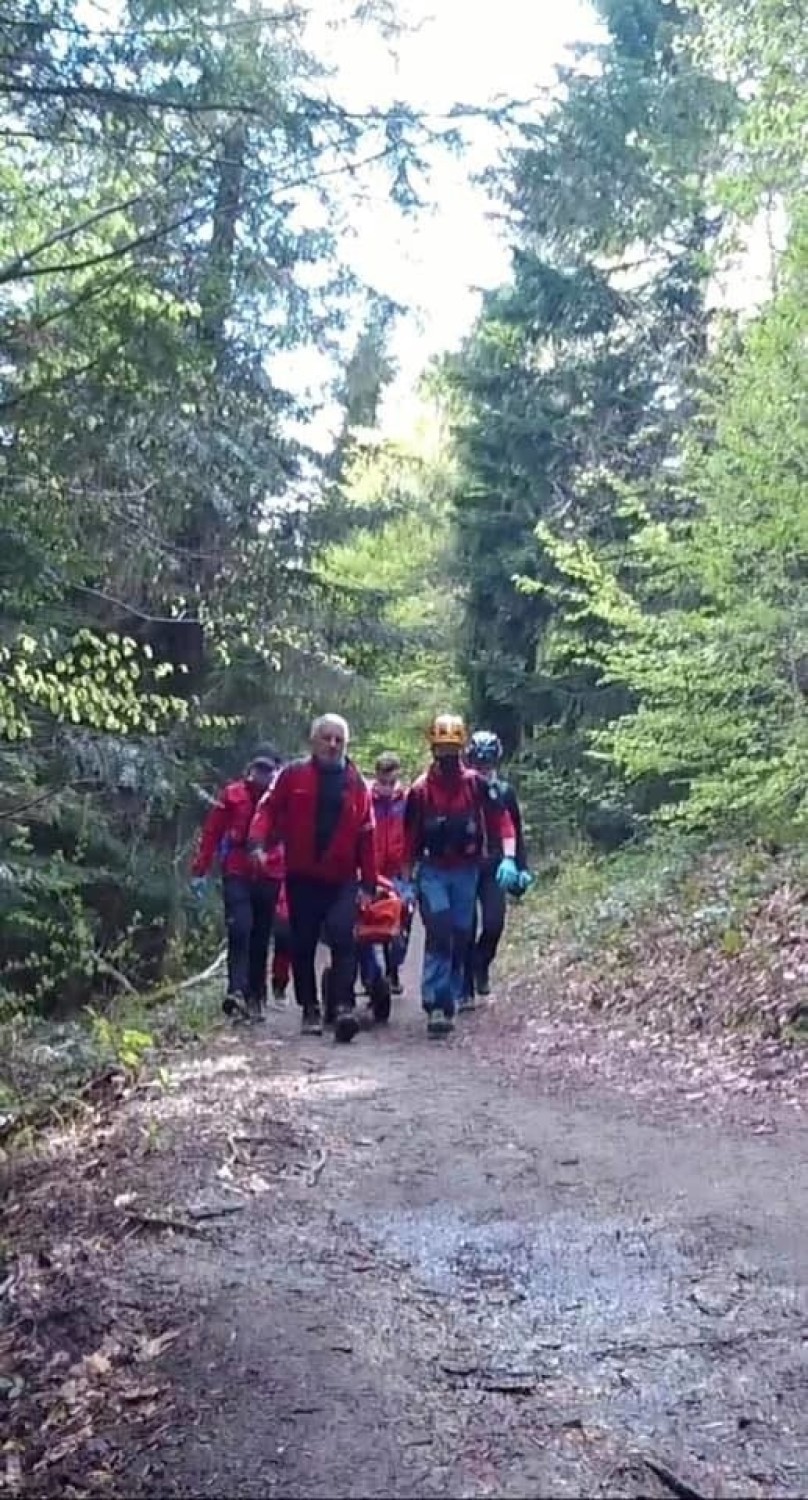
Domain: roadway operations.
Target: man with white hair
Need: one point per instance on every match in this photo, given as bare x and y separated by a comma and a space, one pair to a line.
320, 810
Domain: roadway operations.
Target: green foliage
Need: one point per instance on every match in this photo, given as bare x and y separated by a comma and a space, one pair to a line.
46, 1067
92, 680
630, 508
588, 899
713, 638
398, 612
126, 1045
596, 904
604, 560
680, 934
172, 186
579, 374
760, 45
88, 879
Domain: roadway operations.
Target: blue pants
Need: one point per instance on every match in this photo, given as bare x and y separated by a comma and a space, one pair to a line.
447, 899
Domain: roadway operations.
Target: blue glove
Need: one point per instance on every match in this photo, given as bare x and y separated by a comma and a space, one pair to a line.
406, 890
526, 880
507, 874
199, 887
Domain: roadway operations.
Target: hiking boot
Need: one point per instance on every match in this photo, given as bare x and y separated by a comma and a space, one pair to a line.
467, 1003
346, 1025
255, 1009
396, 987
438, 1024
482, 983
312, 1022
234, 1004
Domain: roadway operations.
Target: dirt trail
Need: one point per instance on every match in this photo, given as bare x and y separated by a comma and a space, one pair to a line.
439, 1281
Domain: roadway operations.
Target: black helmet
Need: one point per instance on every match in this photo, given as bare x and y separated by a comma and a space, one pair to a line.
484, 748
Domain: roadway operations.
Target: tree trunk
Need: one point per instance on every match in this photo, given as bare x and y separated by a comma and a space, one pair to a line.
216, 290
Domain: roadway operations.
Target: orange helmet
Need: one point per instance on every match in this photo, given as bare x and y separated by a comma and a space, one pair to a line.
449, 730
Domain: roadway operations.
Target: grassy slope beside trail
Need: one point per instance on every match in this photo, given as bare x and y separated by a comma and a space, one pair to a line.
698, 952
52, 1070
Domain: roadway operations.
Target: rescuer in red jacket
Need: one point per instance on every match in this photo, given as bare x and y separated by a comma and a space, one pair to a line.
320, 810
249, 894
452, 819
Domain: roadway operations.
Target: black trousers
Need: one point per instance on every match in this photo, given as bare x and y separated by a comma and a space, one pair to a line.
319, 909
249, 907
489, 919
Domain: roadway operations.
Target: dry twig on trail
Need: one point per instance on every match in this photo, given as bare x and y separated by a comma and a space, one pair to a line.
669, 1479
717, 1341
220, 1212
162, 1221
314, 1174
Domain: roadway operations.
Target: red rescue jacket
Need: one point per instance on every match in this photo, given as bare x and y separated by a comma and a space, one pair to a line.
287, 813
225, 830
273, 865
391, 844
464, 804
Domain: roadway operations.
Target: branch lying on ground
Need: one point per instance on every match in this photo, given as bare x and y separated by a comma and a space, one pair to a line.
162, 1221
208, 973
671, 1482
104, 966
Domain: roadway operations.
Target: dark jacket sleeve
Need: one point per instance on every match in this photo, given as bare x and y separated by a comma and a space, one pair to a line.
512, 803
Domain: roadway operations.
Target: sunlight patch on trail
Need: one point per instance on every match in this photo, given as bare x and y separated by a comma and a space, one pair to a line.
209, 1067
328, 1085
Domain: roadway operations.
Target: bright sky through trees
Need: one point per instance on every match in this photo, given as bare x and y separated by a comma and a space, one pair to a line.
468, 51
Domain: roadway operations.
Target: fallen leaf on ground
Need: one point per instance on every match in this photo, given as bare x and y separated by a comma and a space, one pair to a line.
142, 1392
153, 1348
12, 1479
257, 1184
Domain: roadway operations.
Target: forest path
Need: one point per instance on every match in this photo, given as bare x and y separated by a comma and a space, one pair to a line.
439, 1282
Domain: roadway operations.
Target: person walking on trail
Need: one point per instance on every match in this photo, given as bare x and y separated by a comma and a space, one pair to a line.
389, 797
249, 894
484, 755
320, 810
452, 818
